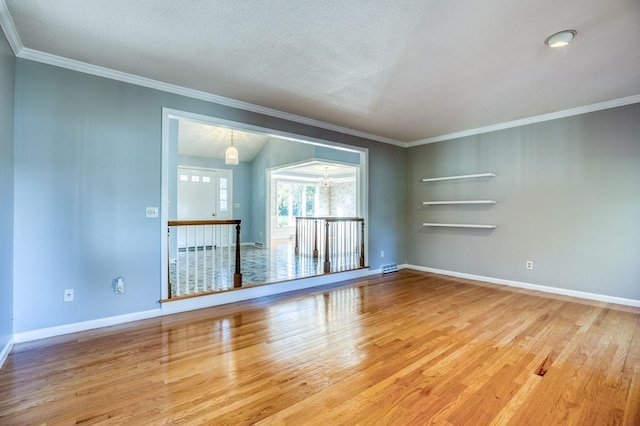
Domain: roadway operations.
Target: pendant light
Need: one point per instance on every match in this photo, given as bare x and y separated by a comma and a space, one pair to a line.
231, 154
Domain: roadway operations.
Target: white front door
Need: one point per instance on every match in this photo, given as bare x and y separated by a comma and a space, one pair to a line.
204, 194
196, 194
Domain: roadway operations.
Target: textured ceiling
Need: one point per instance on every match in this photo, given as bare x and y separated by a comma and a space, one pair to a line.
405, 70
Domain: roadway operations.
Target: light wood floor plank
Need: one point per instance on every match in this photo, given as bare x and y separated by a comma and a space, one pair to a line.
405, 348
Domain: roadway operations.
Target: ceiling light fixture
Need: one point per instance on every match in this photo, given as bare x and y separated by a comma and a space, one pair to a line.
561, 38
325, 180
231, 154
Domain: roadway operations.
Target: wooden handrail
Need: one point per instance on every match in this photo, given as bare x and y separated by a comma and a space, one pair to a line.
237, 276
333, 218
203, 222
345, 219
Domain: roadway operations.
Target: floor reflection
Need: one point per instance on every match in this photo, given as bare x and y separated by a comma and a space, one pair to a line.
329, 323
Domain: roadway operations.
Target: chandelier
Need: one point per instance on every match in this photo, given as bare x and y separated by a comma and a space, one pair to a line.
325, 180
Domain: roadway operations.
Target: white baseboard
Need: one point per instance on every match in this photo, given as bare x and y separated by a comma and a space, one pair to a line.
529, 286
189, 305
4, 353
42, 333
284, 287
260, 291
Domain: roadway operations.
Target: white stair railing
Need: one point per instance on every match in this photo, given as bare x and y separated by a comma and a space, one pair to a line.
339, 241
203, 256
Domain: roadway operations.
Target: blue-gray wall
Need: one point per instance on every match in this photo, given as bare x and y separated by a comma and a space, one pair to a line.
568, 199
84, 160
332, 154
276, 152
387, 204
7, 62
88, 162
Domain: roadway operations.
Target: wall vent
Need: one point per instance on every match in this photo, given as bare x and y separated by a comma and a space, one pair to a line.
258, 245
387, 269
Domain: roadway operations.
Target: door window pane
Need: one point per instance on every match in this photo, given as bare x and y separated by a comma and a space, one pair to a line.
223, 195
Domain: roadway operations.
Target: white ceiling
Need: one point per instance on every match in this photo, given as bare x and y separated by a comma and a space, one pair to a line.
406, 70
206, 140
316, 169
203, 140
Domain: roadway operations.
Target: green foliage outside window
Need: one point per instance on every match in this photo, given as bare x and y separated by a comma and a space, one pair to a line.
294, 199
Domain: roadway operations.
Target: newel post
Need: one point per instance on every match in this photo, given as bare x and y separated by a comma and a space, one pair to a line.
315, 238
297, 235
169, 292
237, 276
362, 244
327, 263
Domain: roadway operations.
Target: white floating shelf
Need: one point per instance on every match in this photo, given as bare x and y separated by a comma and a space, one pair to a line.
431, 203
459, 225
477, 175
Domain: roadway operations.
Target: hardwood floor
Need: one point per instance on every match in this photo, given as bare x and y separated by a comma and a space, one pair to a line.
406, 348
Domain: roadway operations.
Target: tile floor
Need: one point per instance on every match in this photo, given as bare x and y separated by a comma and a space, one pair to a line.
212, 269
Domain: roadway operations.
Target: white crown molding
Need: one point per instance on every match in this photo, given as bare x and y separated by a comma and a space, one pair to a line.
9, 29
33, 55
530, 120
6, 22
25, 53
71, 64
528, 286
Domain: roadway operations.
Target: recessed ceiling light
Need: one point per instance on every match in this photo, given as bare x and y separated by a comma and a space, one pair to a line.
560, 39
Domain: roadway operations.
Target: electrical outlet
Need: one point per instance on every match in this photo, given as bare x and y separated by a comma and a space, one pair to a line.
68, 295
529, 264
381, 253
152, 211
